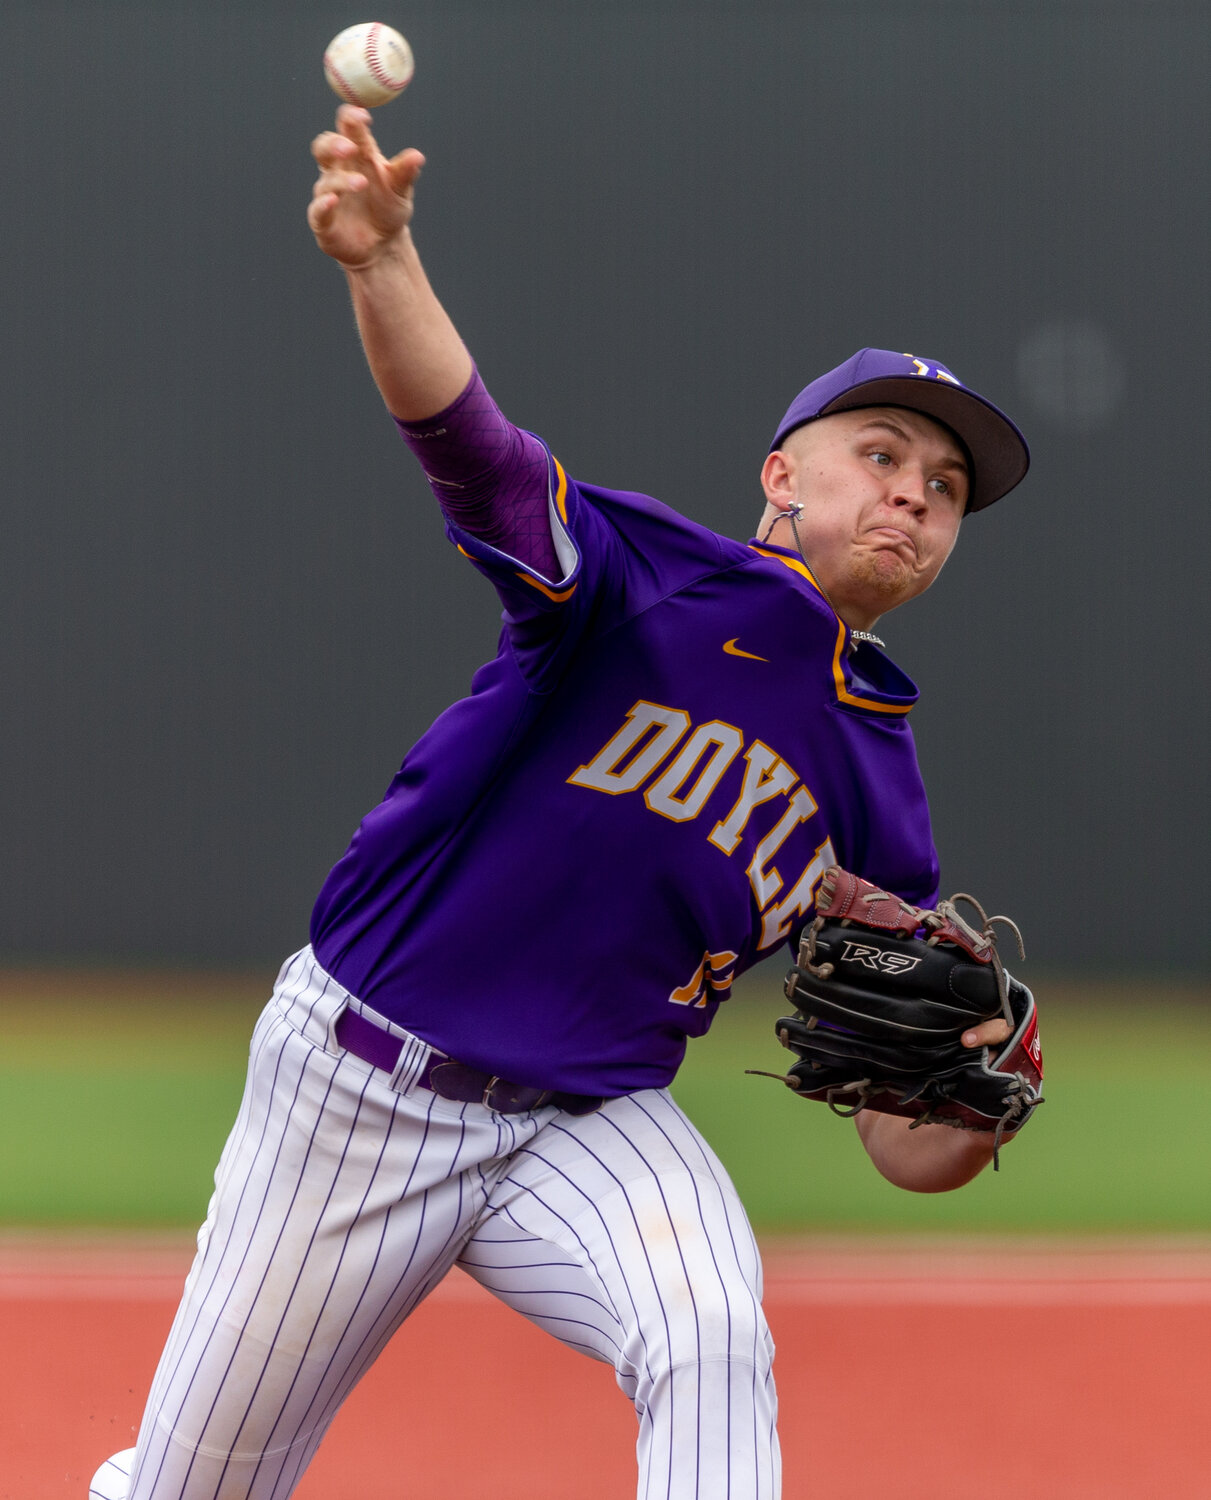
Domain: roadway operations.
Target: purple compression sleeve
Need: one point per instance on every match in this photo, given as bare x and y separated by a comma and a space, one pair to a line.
489, 477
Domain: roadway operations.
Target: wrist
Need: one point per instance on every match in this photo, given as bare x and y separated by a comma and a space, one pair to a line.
391, 254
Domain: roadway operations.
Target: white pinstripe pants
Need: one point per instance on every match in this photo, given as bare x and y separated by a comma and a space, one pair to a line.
344, 1194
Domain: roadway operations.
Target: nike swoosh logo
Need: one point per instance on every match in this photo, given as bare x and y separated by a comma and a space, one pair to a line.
733, 650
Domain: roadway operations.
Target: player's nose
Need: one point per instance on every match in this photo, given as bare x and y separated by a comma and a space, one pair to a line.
909, 490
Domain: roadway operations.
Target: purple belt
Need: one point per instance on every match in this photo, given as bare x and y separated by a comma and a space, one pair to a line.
453, 1080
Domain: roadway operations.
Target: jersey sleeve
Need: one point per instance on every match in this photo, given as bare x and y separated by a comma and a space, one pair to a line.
617, 552
488, 476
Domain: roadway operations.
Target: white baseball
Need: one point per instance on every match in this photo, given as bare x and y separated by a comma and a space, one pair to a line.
368, 64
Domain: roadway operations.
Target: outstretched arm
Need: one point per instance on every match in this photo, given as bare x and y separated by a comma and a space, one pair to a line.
489, 477
360, 213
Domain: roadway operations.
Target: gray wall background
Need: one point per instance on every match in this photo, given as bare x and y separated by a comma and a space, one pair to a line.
226, 607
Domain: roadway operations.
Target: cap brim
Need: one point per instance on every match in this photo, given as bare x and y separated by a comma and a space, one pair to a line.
998, 450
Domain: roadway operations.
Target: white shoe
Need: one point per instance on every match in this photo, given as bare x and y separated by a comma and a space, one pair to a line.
112, 1479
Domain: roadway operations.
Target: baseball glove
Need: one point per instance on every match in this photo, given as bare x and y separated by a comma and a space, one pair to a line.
885, 992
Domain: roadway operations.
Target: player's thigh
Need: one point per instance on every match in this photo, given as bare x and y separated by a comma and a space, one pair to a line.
639, 1204
338, 1205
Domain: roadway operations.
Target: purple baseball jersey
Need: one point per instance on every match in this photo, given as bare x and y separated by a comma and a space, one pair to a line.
634, 804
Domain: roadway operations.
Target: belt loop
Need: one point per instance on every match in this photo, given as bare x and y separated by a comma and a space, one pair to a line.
413, 1055
331, 1045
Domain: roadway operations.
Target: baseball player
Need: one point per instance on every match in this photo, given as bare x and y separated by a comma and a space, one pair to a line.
468, 1064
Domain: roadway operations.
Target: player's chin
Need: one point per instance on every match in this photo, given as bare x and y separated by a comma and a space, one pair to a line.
886, 576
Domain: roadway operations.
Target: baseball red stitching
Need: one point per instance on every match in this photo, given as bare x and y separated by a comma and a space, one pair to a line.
342, 87
374, 62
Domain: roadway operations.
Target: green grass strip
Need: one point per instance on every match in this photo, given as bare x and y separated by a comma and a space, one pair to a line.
116, 1096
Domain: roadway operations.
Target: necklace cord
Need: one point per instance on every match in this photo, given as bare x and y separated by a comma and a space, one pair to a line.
854, 635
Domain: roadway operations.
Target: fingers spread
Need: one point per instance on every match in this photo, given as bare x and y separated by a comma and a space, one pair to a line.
408, 160
336, 183
404, 169
353, 122
329, 148
320, 211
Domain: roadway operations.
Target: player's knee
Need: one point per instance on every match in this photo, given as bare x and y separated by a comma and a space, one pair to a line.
716, 1324
727, 1375
730, 1326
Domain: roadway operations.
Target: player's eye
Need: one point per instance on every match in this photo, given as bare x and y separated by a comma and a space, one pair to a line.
881, 457
942, 486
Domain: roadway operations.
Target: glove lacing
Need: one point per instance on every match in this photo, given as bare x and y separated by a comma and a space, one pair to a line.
984, 939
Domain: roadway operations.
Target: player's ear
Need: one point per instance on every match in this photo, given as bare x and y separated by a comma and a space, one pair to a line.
778, 479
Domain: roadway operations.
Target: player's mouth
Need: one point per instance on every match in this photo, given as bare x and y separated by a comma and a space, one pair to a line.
892, 536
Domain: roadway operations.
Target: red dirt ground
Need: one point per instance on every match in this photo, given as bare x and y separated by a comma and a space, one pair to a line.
924, 1371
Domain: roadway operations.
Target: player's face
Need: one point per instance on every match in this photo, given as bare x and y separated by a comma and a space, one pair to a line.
883, 491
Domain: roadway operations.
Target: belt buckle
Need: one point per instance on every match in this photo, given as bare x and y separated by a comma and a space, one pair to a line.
512, 1105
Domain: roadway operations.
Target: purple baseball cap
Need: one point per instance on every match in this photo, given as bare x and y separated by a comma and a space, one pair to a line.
877, 377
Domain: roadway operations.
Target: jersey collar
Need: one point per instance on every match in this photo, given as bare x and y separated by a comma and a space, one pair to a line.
864, 678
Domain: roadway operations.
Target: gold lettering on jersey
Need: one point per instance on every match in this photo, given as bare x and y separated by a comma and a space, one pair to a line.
649, 735
715, 972
666, 797
776, 922
648, 741
766, 883
766, 774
